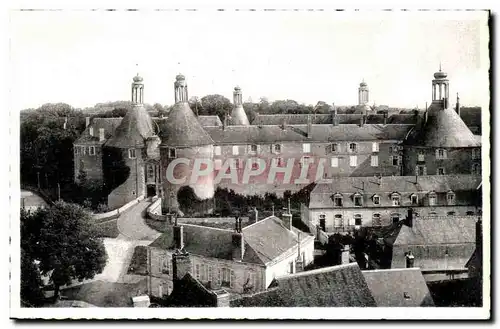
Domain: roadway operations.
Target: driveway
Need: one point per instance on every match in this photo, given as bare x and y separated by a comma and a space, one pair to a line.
132, 225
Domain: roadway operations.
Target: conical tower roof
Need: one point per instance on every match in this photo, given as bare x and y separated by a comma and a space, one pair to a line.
182, 128
444, 128
135, 127
239, 116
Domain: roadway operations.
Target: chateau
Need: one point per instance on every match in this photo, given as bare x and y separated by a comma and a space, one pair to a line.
131, 155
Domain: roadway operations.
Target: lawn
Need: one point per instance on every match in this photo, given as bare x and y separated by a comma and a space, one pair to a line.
108, 229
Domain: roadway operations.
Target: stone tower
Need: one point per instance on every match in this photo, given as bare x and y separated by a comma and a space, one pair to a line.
185, 146
363, 93
238, 116
127, 147
441, 144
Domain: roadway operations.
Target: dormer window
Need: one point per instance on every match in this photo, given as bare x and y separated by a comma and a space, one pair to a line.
432, 199
131, 153
421, 156
334, 148
277, 148
91, 131
306, 148
440, 171
375, 147
396, 199
338, 200
254, 148
353, 147
414, 199
441, 154
450, 198
91, 150
172, 152
358, 200
217, 150
376, 200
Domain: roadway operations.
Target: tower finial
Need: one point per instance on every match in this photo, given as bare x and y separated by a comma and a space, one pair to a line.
439, 66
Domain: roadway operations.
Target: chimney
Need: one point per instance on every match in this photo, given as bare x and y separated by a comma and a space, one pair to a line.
410, 260
458, 105
385, 117
238, 242
181, 265
361, 120
410, 217
345, 254
256, 214
287, 220
87, 121
309, 126
101, 134
178, 236
283, 123
224, 122
221, 298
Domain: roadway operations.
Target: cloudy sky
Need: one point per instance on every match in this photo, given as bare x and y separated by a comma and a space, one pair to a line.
86, 57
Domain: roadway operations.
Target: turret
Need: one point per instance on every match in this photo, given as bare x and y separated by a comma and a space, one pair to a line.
238, 116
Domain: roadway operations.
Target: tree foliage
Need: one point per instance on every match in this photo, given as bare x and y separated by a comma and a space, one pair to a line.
64, 242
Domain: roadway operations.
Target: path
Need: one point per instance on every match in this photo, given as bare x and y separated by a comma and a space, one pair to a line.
132, 225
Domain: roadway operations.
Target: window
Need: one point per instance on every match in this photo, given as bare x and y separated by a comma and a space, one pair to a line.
358, 219
151, 173
406, 295
335, 162
469, 213
338, 200
432, 199
376, 200
440, 171
209, 273
334, 147
451, 213
337, 220
476, 154
131, 153
290, 267
91, 131
227, 277
91, 150
217, 164
322, 222
450, 198
476, 169
353, 161
395, 160
395, 218
251, 281
279, 162
254, 148
277, 148
353, 147
421, 170
165, 266
197, 271
306, 148
391, 149
255, 163
217, 150
374, 147
358, 200
396, 199
236, 150
376, 220
203, 275
414, 199
172, 153
441, 154
374, 160
421, 156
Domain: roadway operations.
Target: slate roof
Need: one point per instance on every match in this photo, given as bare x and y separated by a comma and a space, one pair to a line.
239, 116
269, 238
321, 194
436, 231
337, 286
134, 128
109, 125
207, 242
182, 128
209, 120
297, 119
298, 133
389, 287
444, 128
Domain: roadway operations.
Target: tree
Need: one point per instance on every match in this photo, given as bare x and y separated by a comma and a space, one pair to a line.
31, 282
64, 241
215, 105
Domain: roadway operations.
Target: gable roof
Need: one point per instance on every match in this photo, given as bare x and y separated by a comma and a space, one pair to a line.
444, 128
389, 287
269, 238
207, 242
298, 133
134, 128
337, 286
182, 128
436, 231
108, 124
321, 194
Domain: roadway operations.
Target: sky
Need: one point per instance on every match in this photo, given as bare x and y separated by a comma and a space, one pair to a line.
87, 57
